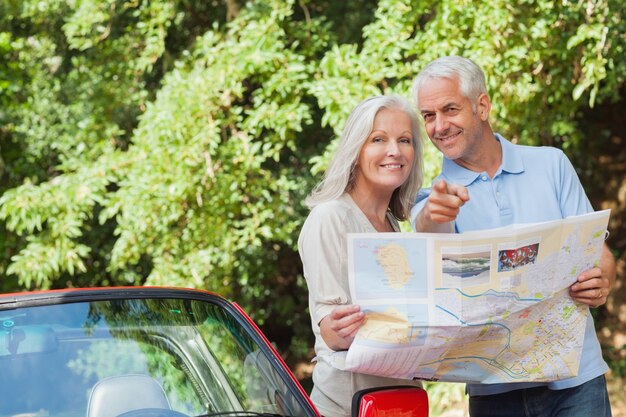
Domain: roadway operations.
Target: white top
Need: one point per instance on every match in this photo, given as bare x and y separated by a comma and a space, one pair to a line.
323, 249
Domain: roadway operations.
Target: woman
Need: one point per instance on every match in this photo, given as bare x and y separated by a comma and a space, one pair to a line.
370, 184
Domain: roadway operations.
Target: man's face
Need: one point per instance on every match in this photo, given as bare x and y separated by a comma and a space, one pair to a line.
451, 123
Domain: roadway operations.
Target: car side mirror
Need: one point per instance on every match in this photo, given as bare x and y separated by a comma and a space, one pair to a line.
398, 401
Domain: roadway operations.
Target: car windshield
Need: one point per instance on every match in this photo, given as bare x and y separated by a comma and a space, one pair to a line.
111, 358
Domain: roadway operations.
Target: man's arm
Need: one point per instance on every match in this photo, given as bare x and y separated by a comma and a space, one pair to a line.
441, 208
594, 285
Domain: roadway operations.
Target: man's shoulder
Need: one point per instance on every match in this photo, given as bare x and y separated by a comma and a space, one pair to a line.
544, 152
545, 161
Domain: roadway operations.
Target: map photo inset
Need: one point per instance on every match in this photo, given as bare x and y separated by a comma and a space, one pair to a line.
510, 259
465, 264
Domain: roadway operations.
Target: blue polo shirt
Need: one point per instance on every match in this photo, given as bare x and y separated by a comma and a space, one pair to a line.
533, 184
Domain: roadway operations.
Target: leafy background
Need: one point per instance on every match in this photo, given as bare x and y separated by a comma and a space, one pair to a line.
173, 142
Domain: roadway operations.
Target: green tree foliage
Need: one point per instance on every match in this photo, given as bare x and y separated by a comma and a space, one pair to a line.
172, 142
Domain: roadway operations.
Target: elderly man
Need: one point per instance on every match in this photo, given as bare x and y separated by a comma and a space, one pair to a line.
487, 182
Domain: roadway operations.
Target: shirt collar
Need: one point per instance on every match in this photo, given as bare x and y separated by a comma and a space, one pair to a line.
511, 163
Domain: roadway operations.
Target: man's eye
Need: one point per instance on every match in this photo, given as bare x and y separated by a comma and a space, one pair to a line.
428, 117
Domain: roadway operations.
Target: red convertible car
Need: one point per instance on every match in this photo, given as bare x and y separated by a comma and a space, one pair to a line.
153, 352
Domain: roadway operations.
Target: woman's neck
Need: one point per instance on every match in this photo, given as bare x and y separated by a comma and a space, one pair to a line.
375, 207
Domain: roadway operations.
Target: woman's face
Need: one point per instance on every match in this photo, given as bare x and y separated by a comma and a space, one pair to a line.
386, 158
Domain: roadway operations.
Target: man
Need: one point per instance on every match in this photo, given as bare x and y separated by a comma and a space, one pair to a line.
488, 182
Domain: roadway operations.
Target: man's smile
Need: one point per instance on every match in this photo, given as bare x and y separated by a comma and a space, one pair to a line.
447, 137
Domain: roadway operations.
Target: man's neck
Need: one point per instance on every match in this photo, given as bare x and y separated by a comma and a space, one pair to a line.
486, 158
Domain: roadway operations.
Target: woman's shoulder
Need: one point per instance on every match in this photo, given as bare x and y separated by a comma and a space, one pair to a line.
337, 212
340, 204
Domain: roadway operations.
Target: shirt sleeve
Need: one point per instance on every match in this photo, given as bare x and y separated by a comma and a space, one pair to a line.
420, 202
573, 200
323, 250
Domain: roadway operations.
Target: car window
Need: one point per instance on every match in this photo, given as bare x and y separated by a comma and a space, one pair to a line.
107, 358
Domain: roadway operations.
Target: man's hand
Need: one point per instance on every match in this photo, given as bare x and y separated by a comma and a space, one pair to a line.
594, 285
340, 326
441, 208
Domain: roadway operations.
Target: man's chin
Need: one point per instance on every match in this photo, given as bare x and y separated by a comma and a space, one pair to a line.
448, 153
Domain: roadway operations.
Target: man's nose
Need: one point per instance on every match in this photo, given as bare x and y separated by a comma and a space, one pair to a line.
441, 124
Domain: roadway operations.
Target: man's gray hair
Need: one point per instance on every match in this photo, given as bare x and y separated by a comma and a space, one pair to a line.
469, 75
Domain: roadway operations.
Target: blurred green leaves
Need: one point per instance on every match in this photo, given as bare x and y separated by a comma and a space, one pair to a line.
173, 142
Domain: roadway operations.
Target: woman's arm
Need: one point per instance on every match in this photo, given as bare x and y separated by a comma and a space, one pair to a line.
322, 247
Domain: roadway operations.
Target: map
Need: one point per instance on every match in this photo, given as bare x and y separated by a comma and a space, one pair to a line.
488, 307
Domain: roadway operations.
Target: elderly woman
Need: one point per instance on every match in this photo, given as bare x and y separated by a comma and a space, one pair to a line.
370, 184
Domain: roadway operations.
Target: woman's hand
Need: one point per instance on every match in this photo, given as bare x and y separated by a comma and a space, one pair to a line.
341, 325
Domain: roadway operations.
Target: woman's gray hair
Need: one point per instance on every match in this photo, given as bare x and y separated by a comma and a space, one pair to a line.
339, 177
471, 78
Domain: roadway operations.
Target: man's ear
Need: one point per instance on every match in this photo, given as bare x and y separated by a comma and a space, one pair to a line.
483, 106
